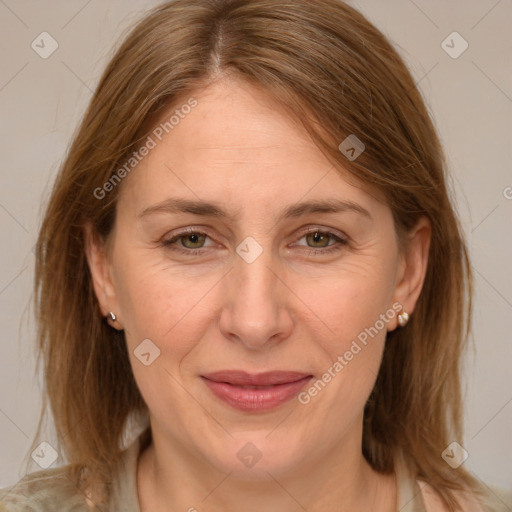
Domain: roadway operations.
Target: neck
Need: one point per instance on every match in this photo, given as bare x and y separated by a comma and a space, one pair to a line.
170, 478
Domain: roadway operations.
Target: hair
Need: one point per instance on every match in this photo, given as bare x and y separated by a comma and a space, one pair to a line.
336, 74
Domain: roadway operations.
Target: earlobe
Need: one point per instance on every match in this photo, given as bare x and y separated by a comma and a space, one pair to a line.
99, 267
413, 269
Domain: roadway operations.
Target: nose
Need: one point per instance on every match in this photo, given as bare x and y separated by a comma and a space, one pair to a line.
255, 307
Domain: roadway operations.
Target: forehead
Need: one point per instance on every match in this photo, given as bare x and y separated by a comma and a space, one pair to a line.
235, 143
235, 123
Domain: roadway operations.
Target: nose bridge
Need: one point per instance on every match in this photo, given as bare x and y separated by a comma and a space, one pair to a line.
253, 281
253, 310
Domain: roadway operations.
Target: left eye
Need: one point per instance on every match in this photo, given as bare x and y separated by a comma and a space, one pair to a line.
319, 239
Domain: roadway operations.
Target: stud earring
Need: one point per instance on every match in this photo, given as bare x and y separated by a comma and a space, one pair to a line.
112, 316
403, 318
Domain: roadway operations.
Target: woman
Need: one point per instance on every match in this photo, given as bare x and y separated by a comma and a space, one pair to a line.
251, 260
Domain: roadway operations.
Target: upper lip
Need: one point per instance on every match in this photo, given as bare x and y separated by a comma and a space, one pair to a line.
241, 378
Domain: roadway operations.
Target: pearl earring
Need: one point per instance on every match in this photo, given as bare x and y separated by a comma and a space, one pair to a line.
403, 318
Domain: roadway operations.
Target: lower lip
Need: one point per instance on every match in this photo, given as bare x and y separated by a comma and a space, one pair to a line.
256, 400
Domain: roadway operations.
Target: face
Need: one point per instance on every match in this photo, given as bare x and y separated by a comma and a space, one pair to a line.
239, 249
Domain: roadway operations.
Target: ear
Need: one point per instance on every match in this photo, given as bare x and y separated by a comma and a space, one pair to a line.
100, 268
412, 268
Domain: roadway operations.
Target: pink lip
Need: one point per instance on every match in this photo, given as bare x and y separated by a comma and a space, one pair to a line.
255, 393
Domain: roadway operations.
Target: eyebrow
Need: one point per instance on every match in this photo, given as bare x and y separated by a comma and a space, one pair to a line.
198, 207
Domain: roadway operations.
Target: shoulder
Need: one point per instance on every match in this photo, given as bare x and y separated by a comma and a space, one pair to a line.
467, 500
53, 490
50, 489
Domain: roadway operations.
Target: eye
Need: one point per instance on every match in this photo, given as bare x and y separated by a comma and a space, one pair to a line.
318, 239
193, 240
190, 242
321, 241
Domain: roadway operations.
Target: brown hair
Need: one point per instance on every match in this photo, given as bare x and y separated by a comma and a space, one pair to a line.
336, 74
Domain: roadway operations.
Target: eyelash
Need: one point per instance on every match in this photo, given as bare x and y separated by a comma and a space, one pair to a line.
171, 242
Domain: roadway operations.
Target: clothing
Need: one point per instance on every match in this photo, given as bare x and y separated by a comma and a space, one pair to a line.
51, 490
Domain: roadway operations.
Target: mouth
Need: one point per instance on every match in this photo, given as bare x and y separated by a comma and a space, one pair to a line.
255, 392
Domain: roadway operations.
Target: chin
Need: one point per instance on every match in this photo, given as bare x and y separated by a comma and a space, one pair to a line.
252, 456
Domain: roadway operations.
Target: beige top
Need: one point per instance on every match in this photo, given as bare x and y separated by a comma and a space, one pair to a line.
51, 490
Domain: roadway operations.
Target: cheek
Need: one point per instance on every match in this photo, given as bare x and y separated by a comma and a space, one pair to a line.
163, 305
173, 313
347, 303
351, 339
350, 309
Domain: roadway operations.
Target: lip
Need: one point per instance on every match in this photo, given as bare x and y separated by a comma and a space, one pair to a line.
255, 392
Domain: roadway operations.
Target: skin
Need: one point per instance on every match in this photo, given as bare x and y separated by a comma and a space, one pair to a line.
290, 309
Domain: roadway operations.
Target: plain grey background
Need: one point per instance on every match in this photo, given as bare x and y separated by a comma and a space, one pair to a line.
470, 97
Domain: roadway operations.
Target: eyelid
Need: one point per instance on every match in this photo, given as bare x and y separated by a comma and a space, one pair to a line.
169, 238
324, 230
